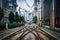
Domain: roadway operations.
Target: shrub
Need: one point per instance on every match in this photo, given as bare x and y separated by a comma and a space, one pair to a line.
2, 26
13, 25
10, 25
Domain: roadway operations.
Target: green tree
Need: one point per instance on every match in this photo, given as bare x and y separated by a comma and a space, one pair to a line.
34, 20
21, 19
11, 17
1, 14
16, 17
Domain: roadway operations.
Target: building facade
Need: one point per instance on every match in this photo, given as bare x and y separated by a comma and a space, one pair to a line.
7, 6
48, 13
51, 13
40, 11
57, 13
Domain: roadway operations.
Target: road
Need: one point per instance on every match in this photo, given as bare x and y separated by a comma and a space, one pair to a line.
30, 32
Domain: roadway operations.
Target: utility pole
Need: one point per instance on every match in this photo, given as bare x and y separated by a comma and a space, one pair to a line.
52, 16
40, 13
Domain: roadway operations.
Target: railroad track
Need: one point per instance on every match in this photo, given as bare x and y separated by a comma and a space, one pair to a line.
36, 31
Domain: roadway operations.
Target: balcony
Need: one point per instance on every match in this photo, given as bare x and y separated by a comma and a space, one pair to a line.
15, 4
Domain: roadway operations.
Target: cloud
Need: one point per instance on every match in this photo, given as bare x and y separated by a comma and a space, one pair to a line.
22, 4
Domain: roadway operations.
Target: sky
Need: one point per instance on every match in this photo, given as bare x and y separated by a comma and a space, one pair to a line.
22, 4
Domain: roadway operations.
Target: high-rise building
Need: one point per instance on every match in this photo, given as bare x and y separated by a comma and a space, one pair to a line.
57, 13
12, 4
40, 11
49, 15
46, 12
7, 6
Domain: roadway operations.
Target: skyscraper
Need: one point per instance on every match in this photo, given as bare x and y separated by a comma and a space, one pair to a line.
7, 6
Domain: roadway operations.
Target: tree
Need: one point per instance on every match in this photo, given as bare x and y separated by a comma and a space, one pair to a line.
34, 19
1, 14
16, 17
21, 19
11, 17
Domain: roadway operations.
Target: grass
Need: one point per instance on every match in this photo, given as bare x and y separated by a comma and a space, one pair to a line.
55, 30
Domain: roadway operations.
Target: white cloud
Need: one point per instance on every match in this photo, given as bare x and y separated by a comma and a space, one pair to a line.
21, 3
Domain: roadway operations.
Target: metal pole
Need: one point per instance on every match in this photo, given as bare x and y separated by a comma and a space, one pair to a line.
53, 4
52, 16
40, 14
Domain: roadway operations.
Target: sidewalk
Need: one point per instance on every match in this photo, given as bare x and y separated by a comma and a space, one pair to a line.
5, 33
57, 28
52, 33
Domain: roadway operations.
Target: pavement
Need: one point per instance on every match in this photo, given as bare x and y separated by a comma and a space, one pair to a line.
30, 32
5, 33
52, 33
57, 28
